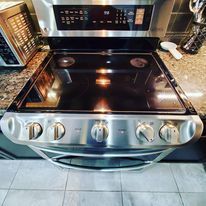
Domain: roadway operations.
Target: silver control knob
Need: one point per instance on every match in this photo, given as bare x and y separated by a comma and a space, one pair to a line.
56, 131
100, 132
34, 130
145, 132
169, 133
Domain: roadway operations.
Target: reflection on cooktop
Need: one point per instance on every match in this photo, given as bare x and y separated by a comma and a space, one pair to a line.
66, 61
139, 62
99, 62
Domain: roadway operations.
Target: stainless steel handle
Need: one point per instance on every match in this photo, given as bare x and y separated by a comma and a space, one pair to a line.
110, 169
80, 154
56, 161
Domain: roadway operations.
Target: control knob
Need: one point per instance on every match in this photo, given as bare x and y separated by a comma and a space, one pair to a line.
56, 131
34, 130
169, 133
145, 132
100, 132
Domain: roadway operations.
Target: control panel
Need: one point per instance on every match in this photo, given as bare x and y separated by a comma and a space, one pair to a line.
95, 130
99, 17
6, 54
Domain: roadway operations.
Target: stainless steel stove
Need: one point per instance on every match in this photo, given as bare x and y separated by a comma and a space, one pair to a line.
102, 99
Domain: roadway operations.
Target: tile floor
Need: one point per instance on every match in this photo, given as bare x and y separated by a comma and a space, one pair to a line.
38, 183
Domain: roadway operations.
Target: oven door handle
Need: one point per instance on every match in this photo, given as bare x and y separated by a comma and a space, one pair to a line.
138, 166
57, 161
142, 153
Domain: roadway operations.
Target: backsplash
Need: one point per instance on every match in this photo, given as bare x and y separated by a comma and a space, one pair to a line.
180, 21
179, 26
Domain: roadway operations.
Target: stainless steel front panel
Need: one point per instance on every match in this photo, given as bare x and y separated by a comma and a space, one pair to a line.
122, 130
160, 18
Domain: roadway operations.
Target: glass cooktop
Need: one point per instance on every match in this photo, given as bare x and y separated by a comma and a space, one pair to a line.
103, 83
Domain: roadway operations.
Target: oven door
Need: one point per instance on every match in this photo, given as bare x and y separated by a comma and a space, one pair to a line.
112, 161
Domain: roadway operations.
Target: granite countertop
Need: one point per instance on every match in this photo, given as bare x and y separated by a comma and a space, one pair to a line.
189, 72
12, 81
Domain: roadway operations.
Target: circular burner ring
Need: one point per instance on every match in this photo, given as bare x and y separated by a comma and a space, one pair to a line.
139, 62
66, 61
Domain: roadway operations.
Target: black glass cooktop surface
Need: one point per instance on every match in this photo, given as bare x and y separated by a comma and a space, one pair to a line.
102, 82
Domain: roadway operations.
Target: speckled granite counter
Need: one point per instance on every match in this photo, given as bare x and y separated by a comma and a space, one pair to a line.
12, 82
190, 73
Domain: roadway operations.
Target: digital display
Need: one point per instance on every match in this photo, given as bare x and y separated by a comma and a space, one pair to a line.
96, 17
139, 19
102, 15
106, 13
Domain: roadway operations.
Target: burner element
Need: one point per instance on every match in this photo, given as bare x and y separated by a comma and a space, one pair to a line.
66, 61
139, 62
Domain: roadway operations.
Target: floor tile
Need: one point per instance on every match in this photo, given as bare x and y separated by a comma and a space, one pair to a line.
194, 199
148, 199
101, 181
156, 179
2, 195
34, 198
8, 169
74, 198
79, 180
190, 177
39, 174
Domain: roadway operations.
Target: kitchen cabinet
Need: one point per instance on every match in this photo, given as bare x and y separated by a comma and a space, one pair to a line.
9, 150
192, 153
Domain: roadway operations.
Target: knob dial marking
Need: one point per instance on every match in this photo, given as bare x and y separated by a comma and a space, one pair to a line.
169, 133
34, 130
56, 131
100, 132
145, 132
